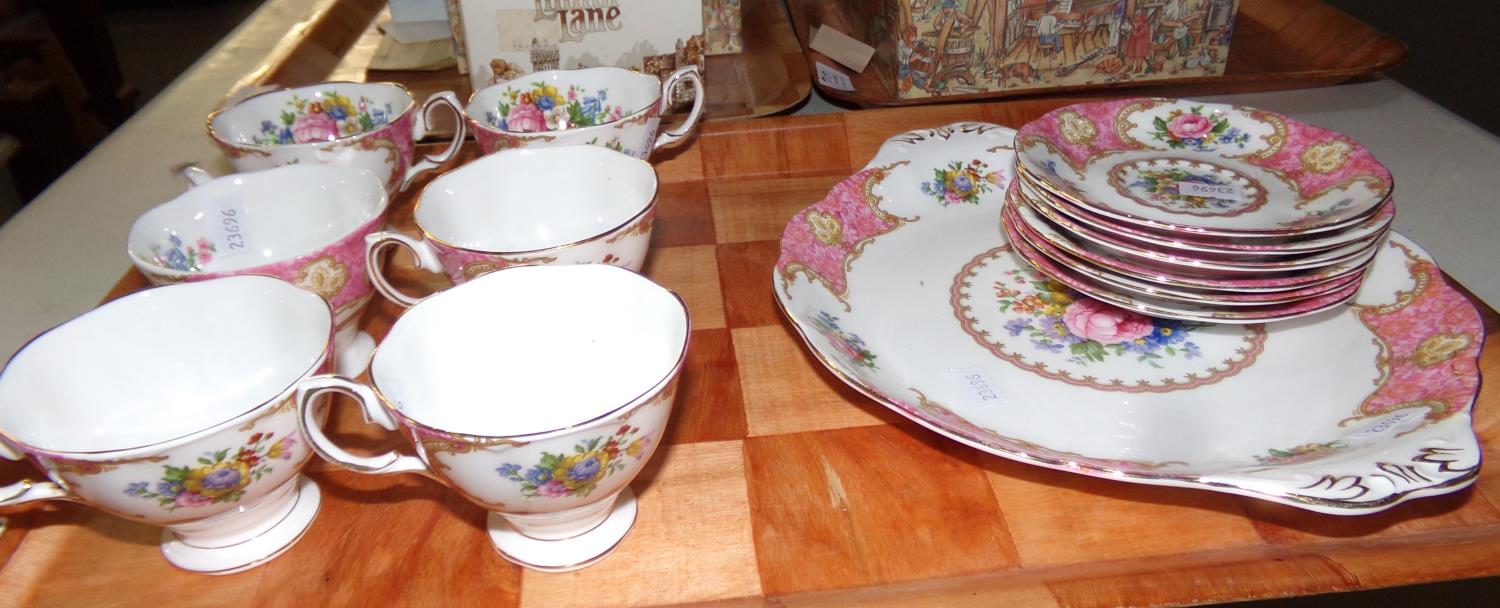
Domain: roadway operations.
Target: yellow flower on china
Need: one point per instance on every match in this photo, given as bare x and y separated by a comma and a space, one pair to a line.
583, 469
218, 479
279, 450
1058, 293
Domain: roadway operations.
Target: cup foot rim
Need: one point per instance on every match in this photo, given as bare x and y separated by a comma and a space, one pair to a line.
254, 552
567, 555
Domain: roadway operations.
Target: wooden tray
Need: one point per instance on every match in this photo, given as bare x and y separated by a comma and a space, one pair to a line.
339, 39
780, 485
1278, 44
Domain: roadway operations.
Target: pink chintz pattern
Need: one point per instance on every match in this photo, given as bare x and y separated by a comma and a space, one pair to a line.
824, 239
395, 139
1049, 129
1317, 159
461, 264
1054, 247
399, 131
494, 140
1312, 159
1432, 337
336, 272
1019, 234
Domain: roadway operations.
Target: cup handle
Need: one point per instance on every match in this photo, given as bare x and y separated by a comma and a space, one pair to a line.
389, 462
26, 490
422, 253
419, 130
194, 174
689, 73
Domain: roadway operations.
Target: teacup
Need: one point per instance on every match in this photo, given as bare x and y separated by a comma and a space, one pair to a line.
371, 126
174, 406
536, 206
611, 107
537, 393
305, 224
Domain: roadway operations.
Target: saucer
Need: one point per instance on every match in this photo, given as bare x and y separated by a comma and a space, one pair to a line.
1130, 245
568, 554
1202, 168
1206, 277
1024, 248
1375, 225
1033, 213
1185, 294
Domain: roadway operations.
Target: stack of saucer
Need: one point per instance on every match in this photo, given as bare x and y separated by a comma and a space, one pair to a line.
1197, 211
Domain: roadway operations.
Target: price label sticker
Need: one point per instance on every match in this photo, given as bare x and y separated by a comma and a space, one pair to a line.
1223, 193
226, 217
976, 387
1399, 421
652, 124
832, 78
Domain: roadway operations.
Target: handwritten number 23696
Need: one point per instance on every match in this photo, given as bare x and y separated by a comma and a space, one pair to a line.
231, 222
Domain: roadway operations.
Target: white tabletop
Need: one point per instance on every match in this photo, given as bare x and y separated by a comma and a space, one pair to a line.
66, 249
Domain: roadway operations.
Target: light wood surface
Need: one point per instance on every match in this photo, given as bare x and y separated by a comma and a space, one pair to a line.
1278, 44
779, 484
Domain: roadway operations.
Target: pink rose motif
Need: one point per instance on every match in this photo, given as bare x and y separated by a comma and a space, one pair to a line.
848, 350
552, 488
525, 118
191, 499
1094, 320
1190, 126
314, 127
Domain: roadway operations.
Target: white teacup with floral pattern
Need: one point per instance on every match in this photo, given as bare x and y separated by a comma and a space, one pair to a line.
370, 126
537, 206
611, 107
305, 224
537, 393
175, 407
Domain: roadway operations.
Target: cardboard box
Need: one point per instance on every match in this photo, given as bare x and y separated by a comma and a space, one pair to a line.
933, 48
721, 27
506, 39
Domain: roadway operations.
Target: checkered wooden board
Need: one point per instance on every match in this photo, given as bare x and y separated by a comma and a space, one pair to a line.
777, 484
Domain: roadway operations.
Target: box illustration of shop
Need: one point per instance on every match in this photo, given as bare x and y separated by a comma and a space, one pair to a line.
933, 48
507, 39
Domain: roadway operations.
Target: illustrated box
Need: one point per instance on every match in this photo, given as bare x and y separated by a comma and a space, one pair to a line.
934, 48
721, 27
506, 39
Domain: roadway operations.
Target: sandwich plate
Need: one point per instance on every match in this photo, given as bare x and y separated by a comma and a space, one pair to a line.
902, 283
